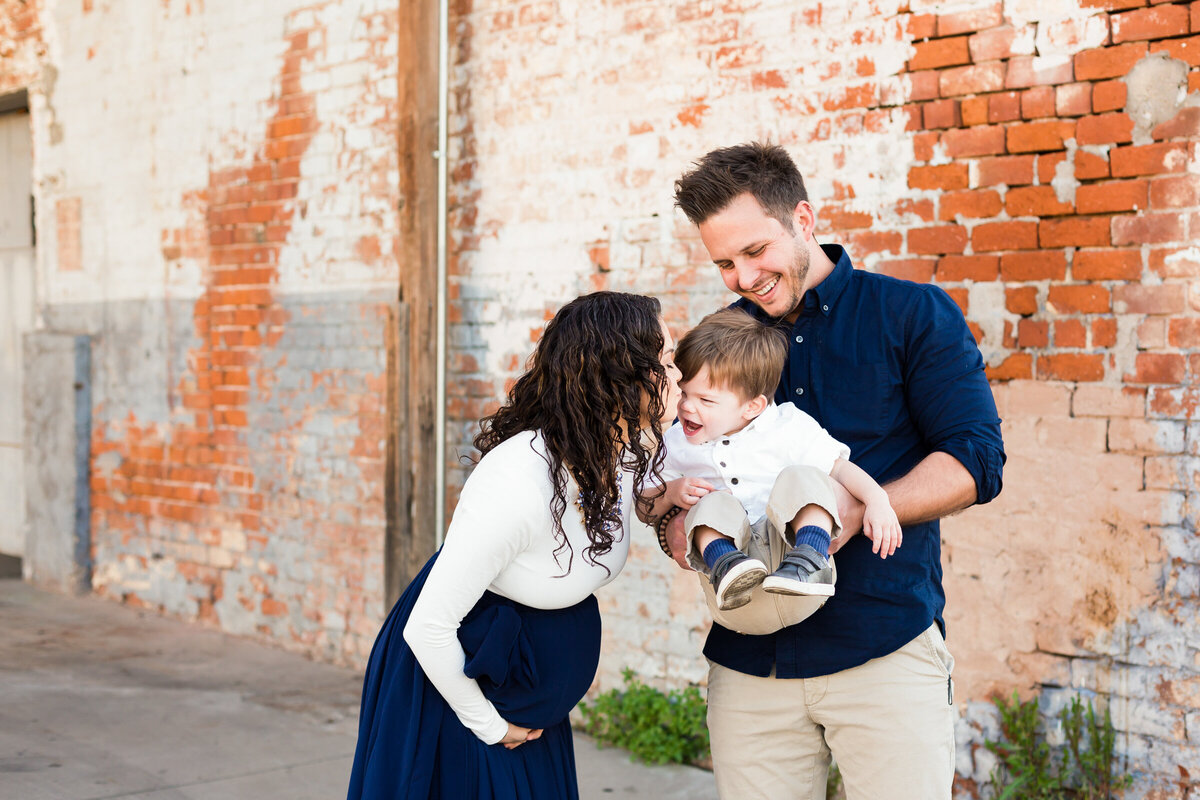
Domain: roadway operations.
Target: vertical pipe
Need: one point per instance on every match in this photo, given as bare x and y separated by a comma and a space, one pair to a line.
83, 464
443, 139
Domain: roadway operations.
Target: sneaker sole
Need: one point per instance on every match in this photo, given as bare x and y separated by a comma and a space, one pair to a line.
776, 585
739, 584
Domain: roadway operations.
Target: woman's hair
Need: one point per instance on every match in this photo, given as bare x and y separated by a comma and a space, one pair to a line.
597, 366
741, 353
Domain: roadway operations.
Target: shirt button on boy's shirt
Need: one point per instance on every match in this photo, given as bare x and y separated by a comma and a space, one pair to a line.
733, 481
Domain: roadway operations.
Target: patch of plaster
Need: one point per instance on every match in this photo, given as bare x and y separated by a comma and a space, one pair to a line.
1157, 89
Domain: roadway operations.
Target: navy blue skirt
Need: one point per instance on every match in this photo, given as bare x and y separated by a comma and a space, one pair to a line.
533, 664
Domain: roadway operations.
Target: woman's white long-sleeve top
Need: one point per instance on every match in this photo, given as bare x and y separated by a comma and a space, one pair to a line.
501, 539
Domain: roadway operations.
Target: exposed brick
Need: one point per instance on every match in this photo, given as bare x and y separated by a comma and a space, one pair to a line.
937, 240
1035, 201
1107, 265
1089, 166
919, 270
1078, 299
867, 242
993, 236
974, 110
1108, 96
1021, 300
973, 79
1074, 232
993, 44
1032, 137
1112, 196
938, 53
1158, 368
1033, 334
1184, 125
1037, 265
924, 144
923, 85
1010, 170
1070, 367
1148, 229
941, 114
968, 268
978, 141
921, 26
1112, 5
1070, 333
1149, 23
1104, 332
1017, 367
944, 176
1195, 15
922, 208
1037, 102
1175, 262
1026, 71
1104, 129
973, 204
967, 21
961, 298
1107, 62
1073, 99
1168, 298
1183, 332
1004, 106
1187, 50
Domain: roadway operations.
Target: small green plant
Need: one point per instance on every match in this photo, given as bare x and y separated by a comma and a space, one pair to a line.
1030, 769
656, 727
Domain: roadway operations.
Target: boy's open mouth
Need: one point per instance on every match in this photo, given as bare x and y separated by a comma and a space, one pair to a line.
690, 428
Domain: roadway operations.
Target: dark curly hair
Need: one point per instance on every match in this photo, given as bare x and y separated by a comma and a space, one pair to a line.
597, 366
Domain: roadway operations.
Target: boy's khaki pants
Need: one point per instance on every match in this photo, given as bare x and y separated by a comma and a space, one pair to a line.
766, 540
889, 723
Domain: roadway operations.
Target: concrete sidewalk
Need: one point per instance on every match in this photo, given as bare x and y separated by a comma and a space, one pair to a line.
99, 701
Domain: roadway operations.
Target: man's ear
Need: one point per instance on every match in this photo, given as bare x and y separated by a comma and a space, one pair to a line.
755, 407
804, 218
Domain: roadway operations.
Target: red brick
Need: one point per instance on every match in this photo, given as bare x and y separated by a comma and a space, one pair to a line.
1073, 99
1193, 81
974, 79
1032, 334
968, 268
1074, 232
1010, 170
938, 53
1017, 367
992, 45
1107, 62
1026, 71
1107, 265
968, 21
1032, 137
1195, 16
1149, 23
1167, 298
919, 270
1184, 125
941, 114
1070, 333
1037, 265
921, 26
1148, 229
1175, 262
1104, 129
924, 144
923, 85
961, 298
993, 236
1108, 96
1184, 332
1148, 159
1104, 332
1158, 368
937, 240
875, 241
1037, 102
1187, 50
1004, 107
943, 176
1035, 201
921, 209
1071, 367
1089, 166
973, 204
1079, 299
1048, 166
1101, 198
974, 111
1112, 5
971, 142
1021, 300
1180, 191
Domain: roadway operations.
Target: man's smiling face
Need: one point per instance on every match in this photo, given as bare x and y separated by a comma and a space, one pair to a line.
759, 258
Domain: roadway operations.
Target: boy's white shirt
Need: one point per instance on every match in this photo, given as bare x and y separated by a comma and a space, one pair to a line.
746, 463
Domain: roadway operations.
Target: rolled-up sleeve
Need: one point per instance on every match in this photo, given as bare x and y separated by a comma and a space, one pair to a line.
948, 392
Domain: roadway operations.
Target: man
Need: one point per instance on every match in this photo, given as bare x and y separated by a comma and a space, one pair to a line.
890, 368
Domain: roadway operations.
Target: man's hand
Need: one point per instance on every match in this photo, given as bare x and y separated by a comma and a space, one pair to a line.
851, 512
677, 541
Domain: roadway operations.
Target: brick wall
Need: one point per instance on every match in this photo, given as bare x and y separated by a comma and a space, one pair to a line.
21, 46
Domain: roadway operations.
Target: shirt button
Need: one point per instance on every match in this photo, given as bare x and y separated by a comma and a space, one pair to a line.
722, 463
799, 340
733, 481
799, 390
725, 442
824, 308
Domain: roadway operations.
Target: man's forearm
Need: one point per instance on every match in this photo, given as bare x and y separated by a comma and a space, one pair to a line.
936, 487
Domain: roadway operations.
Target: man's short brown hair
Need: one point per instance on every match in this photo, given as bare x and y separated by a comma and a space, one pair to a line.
741, 353
763, 170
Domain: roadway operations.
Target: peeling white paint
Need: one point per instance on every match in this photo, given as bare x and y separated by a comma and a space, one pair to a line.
1156, 91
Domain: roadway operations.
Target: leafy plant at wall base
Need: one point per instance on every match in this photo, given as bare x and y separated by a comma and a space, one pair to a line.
1030, 769
655, 727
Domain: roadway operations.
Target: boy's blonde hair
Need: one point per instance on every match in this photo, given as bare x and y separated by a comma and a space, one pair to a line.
741, 353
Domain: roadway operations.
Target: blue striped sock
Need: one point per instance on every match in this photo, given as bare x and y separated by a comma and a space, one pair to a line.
719, 547
814, 536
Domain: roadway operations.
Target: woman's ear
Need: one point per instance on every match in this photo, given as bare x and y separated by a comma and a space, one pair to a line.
755, 407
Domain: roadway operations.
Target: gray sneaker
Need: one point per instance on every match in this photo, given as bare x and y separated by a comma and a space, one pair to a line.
734, 577
803, 571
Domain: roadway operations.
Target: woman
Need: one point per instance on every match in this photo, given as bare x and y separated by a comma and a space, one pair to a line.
501, 631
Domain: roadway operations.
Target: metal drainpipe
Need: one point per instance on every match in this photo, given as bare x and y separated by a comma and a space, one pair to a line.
441, 155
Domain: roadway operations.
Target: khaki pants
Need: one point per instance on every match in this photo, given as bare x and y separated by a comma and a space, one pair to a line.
888, 722
766, 540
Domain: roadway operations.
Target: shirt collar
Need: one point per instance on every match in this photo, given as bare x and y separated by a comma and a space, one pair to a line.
767, 417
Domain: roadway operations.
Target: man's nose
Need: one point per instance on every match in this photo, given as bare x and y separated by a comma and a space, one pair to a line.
747, 276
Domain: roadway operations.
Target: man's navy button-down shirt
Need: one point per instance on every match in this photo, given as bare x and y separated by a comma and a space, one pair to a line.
890, 368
